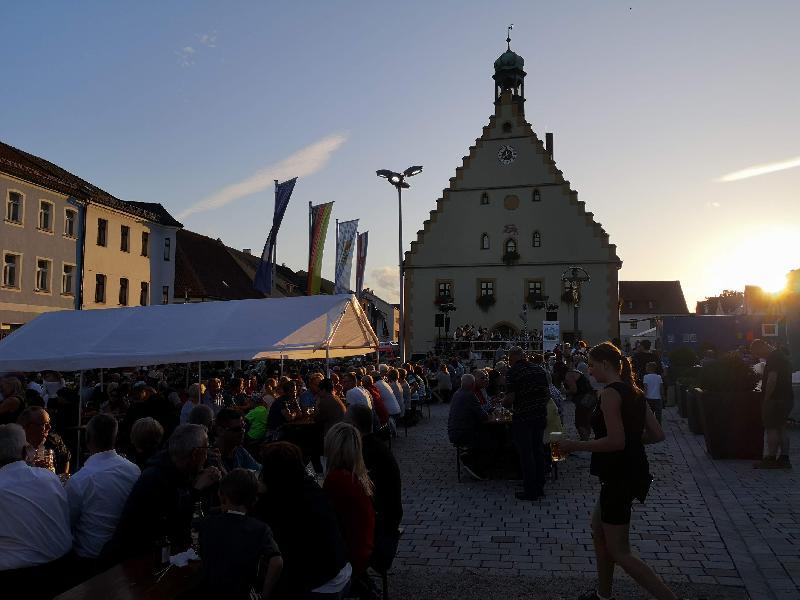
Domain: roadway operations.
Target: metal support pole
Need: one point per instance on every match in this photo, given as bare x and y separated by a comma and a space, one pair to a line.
281, 365
80, 418
327, 362
402, 339
199, 382
101, 380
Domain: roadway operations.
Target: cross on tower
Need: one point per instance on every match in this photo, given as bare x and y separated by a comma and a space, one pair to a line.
508, 39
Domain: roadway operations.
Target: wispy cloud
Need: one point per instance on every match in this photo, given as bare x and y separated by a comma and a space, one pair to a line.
385, 281
208, 39
185, 56
757, 170
302, 163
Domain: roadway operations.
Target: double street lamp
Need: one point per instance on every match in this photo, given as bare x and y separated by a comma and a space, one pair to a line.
398, 180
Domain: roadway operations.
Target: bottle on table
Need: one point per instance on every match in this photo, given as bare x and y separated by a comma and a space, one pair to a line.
197, 519
163, 548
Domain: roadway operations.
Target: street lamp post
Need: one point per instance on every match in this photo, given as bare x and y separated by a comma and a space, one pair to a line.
575, 277
398, 180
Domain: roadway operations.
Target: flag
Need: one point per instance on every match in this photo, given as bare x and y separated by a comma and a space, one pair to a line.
344, 254
320, 216
263, 279
361, 260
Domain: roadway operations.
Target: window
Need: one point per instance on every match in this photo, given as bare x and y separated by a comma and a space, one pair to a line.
167, 244
537, 239
537, 196
650, 304
67, 277
102, 227
125, 238
165, 294
42, 275
14, 206
69, 223
485, 241
145, 243
484, 198
487, 288
11, 265
100, 288
46, 216
511, 246
444, 289
634, 324
535, 289
123, 291
144, 294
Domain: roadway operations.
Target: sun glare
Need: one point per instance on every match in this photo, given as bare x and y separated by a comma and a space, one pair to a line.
764, 259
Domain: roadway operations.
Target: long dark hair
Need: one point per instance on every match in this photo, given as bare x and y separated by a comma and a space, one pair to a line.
609, 352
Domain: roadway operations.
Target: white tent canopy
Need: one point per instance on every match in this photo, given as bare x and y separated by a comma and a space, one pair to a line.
298, 327
646, 333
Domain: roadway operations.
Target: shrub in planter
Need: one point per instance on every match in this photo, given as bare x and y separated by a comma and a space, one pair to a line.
485, 301
730, 409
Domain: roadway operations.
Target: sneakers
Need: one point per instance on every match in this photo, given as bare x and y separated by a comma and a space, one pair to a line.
768, 462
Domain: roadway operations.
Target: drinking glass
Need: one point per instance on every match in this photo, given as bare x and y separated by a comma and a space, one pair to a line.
555, 452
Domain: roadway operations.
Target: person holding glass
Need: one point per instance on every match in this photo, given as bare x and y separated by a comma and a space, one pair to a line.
48, 449
623, 423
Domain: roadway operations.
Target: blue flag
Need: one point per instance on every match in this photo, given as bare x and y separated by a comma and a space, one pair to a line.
263, 281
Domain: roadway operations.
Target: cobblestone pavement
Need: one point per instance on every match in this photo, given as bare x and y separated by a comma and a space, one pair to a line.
716, 529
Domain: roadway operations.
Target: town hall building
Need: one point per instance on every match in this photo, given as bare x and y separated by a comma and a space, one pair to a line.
504, 234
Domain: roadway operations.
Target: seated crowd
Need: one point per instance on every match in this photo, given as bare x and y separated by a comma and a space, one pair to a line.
244, 453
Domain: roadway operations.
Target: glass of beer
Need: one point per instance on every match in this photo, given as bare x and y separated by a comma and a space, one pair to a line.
555, 452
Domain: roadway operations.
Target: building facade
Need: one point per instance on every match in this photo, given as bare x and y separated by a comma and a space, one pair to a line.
383, 316
67, 244
642, 303
503, 234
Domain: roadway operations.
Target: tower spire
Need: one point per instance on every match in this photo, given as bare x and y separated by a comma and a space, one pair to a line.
508, 39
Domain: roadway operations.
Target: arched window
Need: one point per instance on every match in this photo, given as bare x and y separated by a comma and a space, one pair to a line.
537, 239
484, 198
537, 196
507, 127
485, 241
511, 245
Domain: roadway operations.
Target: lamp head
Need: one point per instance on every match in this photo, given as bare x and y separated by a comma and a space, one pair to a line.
411, 171
385, 173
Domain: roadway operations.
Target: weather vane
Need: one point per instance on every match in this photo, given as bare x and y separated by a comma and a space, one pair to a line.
508, 39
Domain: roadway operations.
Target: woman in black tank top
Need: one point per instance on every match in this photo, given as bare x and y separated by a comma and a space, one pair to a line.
622, 423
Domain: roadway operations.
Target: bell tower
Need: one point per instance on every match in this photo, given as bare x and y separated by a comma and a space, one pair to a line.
509, 75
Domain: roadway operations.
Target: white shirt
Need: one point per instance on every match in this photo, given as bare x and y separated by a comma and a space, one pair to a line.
358, 395
34, 529
388, 397
397, 390
97, 494
652, 386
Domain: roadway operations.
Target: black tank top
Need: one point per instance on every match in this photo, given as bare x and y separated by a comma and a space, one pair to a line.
631, 462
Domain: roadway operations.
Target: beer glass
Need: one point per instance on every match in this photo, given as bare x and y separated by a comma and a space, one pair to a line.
555, 452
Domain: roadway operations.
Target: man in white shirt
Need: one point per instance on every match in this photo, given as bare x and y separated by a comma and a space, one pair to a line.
97, 493
652, 389
387, 394
34, 529
354, 393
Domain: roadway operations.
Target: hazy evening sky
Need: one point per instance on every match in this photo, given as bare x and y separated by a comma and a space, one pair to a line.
199, 104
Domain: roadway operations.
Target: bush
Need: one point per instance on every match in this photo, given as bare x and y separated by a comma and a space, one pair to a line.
681, 360
728, 374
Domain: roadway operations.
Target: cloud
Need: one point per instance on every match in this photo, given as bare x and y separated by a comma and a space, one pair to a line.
185, 56
757, 170
386, 282
302, 163
713, 204
208, 39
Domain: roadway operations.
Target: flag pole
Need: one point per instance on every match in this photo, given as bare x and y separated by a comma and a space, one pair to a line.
336, 260
275, 245
310, 238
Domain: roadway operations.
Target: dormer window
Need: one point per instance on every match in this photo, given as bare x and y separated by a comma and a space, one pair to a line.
485, 241
511, 245
537, 196
537, 239
484, 198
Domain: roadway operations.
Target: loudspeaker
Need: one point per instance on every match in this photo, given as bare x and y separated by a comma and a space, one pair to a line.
439, 320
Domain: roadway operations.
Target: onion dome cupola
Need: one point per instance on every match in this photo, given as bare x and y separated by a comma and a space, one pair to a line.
509, 74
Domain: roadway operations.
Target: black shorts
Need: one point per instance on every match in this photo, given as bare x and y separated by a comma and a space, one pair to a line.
775, 412
617, 496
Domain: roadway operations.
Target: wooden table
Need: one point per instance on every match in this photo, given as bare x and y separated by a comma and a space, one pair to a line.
133, 580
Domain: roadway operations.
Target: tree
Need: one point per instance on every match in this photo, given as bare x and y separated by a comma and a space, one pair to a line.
729, 300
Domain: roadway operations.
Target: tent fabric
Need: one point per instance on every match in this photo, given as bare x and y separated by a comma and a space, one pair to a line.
646, 333
298, 328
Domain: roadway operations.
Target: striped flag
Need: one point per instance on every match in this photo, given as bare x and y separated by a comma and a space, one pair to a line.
361, 260
344, 254
264, 275
320, 217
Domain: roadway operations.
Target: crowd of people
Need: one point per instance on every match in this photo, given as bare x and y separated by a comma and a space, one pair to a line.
300, 490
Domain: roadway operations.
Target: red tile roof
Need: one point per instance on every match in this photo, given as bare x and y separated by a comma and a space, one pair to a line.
652, 298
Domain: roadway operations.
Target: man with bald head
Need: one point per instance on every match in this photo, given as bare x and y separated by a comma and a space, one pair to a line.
464, 426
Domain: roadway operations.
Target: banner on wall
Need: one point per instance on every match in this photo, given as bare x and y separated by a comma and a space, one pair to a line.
551, 335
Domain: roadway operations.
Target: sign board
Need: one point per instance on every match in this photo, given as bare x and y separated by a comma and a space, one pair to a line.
551, 335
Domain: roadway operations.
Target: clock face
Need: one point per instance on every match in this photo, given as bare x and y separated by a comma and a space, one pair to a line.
506, 155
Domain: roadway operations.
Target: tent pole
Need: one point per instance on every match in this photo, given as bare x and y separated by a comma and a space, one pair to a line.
80, 417
281, 365
199, 382
101, 380
327, 362
188, 368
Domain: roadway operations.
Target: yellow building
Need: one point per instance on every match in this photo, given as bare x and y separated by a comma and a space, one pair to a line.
503, 234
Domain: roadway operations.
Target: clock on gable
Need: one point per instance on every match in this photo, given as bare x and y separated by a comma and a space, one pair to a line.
506, 155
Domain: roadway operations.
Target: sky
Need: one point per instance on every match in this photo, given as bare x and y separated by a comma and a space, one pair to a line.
676, 122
